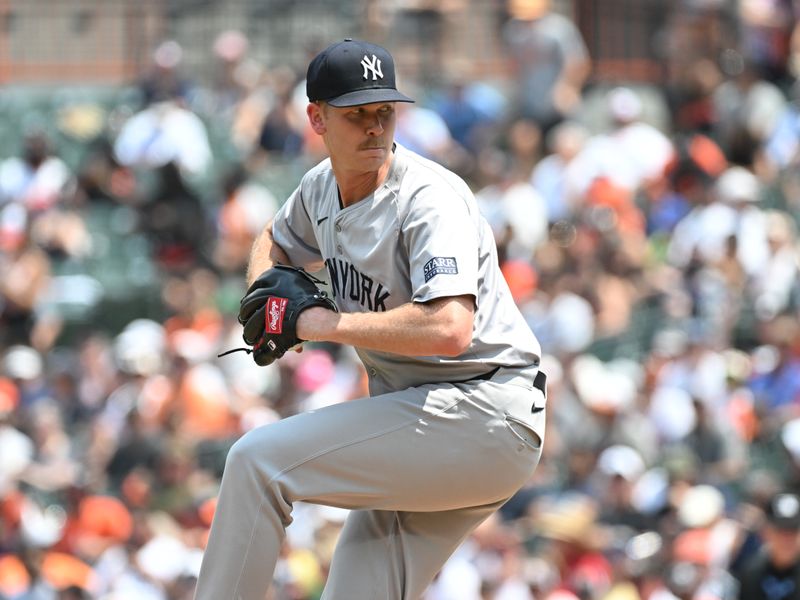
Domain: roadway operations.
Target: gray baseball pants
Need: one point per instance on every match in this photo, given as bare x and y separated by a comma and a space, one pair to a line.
419, 469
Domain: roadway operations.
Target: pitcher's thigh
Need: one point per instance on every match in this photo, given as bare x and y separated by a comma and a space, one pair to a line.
423, 449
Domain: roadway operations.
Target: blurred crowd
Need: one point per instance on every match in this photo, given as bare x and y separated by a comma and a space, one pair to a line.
649, 234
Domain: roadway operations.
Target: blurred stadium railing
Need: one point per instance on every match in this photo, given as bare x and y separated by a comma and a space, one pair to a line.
83, 41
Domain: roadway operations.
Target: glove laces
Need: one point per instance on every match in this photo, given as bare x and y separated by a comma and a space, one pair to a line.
243, 349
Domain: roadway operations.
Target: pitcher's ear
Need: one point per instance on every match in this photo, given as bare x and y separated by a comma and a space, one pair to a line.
315, 118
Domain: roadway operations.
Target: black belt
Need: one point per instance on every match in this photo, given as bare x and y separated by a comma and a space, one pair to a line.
483, 377
539, 382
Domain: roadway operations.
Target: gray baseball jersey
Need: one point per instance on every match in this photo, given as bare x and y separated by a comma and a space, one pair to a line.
419, 236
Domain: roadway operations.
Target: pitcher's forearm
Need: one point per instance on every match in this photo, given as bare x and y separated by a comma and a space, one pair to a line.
264, 254
441, 327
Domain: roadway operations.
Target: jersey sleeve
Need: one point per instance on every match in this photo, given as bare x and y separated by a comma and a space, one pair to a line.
441, 240
292, 230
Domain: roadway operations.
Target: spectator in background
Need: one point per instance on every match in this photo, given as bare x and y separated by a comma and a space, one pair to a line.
632, 156
774, 573
775, 287
776, 384
716, 444
491, 168
421, 28
523, 138
281, 136
247, 207
38, 179
618, 469
550, 60
26, 272
773, 451
782, 146
550, 174
643, 145
766, 29
721, 277
691, 39
176, 222
573, 542
102, 179
468, 109
703, 548
165, 132
514, 209
235, 73
731, 211
423, 131
697, 162
745, 108
164, 79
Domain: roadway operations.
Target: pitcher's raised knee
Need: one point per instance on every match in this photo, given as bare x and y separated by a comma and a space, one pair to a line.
264, 449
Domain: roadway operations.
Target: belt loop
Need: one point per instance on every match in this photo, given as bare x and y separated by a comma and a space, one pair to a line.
540, 383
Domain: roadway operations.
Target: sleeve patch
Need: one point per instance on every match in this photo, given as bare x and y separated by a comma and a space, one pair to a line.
440, 265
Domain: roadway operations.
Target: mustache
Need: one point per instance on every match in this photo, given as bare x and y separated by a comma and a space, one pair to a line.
372, 146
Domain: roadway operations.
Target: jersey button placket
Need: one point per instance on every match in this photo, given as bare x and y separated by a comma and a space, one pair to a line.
338, 228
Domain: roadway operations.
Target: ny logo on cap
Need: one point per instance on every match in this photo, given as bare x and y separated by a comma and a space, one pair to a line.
373, 66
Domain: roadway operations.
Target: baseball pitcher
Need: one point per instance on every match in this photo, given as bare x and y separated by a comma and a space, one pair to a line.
455, 420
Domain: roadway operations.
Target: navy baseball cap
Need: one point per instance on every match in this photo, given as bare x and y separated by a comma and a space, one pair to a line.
353, 72
783, 511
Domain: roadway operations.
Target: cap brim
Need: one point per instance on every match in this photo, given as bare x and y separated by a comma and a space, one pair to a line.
368, 97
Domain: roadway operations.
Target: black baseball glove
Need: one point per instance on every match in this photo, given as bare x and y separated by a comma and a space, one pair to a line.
270, 308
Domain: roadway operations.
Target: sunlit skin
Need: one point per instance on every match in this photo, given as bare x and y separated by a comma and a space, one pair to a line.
359, 140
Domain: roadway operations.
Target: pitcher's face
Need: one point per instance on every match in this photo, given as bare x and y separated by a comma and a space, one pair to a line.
357, 137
